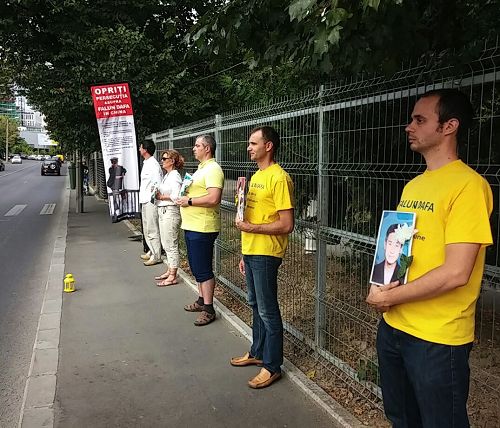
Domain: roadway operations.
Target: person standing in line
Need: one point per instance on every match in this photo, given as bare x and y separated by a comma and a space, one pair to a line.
200, 213
150, 180
268, 219
169, 214
427, 330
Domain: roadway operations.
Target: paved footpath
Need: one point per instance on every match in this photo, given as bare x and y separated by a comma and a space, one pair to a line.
130, 356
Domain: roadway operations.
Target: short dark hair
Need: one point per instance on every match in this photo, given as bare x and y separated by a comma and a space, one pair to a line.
453, 104
392, 228
149, 146
269, 134
209, 141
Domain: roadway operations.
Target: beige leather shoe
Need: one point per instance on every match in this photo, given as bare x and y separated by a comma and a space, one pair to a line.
146, 256
263, 379
152, 262
245, 360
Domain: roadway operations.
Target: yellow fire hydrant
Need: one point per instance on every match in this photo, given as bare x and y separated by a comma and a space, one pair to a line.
69, 283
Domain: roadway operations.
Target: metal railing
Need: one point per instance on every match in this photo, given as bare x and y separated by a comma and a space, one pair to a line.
345, 147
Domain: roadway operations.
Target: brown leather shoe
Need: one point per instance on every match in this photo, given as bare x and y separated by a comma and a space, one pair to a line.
245, 360
263, 379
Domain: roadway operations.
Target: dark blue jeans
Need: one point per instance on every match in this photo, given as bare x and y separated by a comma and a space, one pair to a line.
262, 283
424, 384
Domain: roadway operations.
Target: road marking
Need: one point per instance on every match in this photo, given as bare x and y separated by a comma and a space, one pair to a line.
15, 210
48, 209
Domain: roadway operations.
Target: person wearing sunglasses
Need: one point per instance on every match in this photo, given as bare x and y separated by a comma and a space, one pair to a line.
169, 214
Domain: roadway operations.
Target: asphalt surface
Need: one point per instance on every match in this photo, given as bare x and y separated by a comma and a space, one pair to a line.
130, 356
25, 236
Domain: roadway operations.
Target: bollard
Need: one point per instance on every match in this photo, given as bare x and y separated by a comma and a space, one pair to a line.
69, 283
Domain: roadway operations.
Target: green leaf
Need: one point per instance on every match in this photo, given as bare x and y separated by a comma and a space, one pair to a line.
404, 264
299, 9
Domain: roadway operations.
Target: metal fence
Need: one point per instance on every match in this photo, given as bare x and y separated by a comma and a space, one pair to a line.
345, 147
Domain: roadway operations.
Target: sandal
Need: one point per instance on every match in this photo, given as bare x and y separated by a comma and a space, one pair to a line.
170, 280
162, 276
204, 318
193, 307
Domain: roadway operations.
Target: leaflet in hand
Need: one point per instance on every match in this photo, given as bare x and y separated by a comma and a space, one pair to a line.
240, 197
188, 179
393, 252
154, 189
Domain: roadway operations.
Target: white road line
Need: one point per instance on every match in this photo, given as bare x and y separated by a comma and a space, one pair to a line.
15, 210
48, 209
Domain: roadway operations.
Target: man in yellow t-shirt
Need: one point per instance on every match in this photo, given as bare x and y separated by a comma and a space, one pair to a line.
201, 223
268, 219
426, 335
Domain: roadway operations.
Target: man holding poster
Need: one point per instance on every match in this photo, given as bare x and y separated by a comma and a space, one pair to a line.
427, 330
267, 221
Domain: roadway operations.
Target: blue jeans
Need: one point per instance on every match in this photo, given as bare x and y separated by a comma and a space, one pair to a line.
200, 251
424, 384
267, 328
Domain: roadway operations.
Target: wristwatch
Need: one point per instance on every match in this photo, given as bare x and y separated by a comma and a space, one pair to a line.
190, 202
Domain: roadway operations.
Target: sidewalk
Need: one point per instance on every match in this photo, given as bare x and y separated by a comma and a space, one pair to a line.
130, 356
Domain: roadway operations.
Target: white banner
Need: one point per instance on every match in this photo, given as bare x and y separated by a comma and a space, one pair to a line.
115, 119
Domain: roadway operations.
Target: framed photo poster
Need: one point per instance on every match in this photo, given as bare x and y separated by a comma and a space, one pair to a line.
393, 252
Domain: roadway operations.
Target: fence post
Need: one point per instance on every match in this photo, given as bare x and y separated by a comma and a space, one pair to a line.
218, 157
171, 139
322, 220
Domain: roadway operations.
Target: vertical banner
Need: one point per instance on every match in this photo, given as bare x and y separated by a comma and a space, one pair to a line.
115, 120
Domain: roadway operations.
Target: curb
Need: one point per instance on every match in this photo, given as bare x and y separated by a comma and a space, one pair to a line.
37, 408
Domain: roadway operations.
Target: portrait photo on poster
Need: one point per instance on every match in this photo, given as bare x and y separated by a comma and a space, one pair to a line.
393, 251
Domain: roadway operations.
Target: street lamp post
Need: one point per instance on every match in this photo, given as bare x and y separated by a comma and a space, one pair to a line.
7, 139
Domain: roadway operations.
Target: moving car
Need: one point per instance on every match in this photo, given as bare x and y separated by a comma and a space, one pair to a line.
50, 167
16, 159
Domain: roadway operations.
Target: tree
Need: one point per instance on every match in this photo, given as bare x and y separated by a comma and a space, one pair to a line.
15, 141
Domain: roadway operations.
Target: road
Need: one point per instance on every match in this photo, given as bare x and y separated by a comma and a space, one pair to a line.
27, 238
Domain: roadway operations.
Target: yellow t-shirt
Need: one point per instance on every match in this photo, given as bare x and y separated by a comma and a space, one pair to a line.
269, 191
200, 219
453, 205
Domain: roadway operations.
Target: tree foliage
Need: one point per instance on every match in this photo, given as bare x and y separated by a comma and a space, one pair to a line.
13, 135
59, 49
343, 37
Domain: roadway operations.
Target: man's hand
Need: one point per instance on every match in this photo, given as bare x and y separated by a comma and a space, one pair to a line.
243, 225
378, 299
182, 201
241, 266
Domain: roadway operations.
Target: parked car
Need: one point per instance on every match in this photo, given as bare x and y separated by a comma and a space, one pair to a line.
16, 159
2, 165
50, 167
39, 157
